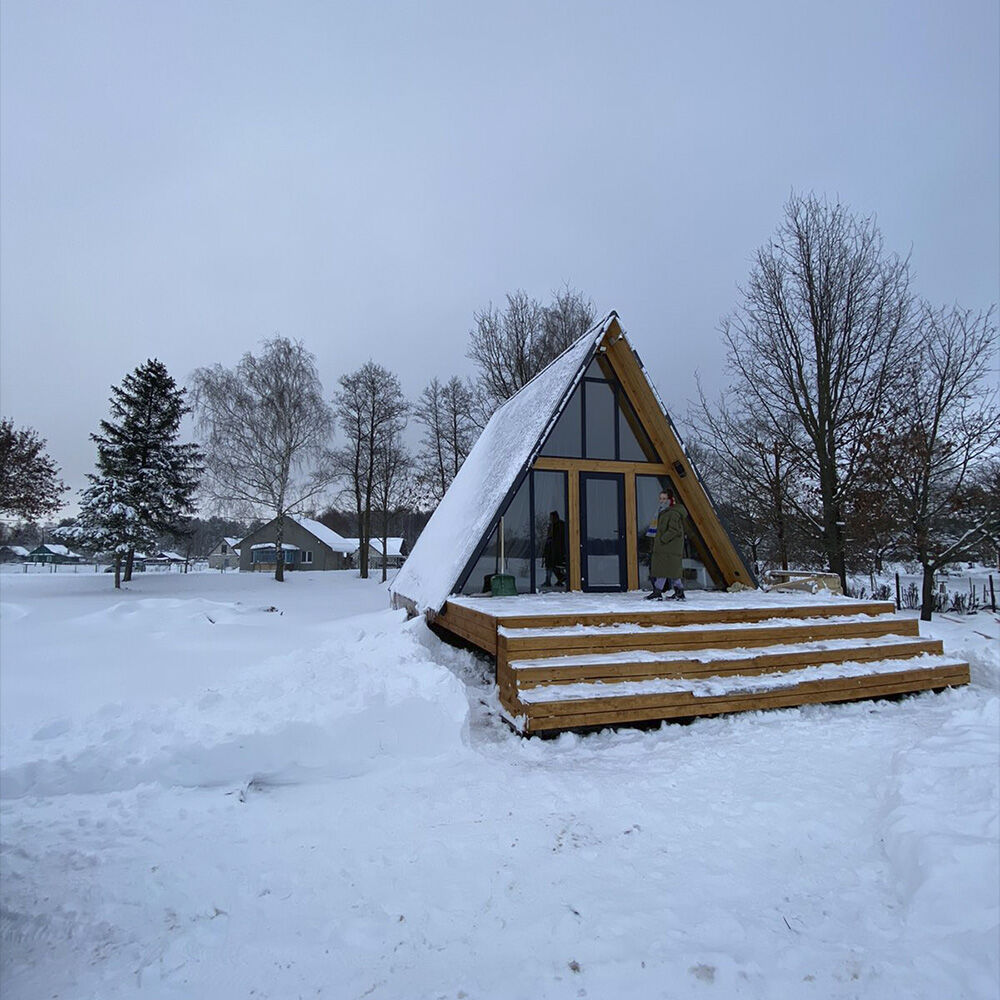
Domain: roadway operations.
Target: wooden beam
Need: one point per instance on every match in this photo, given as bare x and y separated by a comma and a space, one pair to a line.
631, 535
600, 465
692, 493
575, 571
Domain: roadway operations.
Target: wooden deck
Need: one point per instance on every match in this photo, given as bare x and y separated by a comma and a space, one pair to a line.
573, 661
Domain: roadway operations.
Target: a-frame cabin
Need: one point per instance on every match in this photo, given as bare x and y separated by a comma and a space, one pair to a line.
589, 441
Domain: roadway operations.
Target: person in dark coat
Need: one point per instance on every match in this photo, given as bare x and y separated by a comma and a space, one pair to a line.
667, 562
554, 551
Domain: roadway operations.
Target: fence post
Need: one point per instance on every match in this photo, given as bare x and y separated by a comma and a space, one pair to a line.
899, 597
993, 596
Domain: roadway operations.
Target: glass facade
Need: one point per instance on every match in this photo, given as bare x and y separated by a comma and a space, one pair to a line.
599, 416
599, 422
551, 533
566, 439
647, 501
533, 544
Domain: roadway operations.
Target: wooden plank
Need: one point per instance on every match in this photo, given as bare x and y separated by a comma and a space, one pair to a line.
941, 677
474, 627
654, 613
599, 465
691, 491
532, 647
553, 674
687, 700
575, 571
631, 536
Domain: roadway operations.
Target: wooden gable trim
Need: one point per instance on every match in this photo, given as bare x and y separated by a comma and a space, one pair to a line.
692, 493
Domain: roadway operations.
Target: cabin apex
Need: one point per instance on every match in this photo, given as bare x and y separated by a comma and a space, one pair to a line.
589, 439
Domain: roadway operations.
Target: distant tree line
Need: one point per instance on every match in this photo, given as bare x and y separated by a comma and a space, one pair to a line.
272, 443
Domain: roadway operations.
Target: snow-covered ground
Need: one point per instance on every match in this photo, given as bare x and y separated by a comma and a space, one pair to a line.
216, 786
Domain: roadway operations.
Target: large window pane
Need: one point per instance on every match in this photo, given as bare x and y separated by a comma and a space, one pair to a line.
599, 404
634, 444
647, 502
478, 581
551, 534
517, 538
566, 438
517, 548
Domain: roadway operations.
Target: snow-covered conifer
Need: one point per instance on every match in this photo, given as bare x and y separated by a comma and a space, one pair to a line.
145, 481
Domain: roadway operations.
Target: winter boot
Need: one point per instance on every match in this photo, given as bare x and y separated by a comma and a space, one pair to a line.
677, 595
656, 595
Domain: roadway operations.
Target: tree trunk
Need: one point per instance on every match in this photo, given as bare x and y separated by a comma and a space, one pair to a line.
279, 562
365, 539
129, 561
118, 572
927, 596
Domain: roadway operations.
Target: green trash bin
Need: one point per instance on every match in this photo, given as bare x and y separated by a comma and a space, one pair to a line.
502, 585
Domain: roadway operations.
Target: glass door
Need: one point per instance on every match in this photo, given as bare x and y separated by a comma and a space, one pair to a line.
602, 531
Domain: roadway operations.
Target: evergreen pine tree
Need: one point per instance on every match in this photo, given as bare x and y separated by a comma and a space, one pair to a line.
145, 481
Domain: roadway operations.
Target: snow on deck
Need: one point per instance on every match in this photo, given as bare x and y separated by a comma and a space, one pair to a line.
708, 655
577, 603
624, 628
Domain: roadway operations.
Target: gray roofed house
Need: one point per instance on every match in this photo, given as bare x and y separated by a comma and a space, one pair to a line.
306, 545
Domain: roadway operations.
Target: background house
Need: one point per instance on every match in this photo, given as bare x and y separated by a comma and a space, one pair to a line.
396, 548
13, 553
306, 545
225, 555
50, 552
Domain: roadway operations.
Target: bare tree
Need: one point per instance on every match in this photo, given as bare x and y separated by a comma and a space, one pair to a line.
370, 408
817, 342
266, 430
392, 483
511, 346
30, 487
946, 431
748, 458
446, 411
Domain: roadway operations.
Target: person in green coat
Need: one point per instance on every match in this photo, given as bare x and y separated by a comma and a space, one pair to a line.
667, 562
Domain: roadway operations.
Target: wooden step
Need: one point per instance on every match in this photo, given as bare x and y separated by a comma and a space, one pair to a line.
537, 643
611, 710
624, 666
656, 613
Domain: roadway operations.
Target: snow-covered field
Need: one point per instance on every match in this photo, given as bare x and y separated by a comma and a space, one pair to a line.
217, 786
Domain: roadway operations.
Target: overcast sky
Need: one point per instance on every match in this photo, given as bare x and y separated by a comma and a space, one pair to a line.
181, 180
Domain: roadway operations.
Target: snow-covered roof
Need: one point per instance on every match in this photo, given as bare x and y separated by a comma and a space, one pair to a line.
56, 550
270, 545
510, 441
18, 550
173, 556
233, 543
395, 545
326, 535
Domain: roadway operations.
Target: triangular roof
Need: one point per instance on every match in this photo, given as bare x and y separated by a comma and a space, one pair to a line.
510, 443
